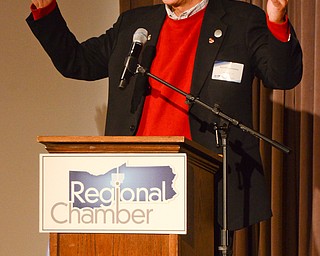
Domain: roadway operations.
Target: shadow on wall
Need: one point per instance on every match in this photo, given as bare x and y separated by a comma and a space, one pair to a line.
100, 118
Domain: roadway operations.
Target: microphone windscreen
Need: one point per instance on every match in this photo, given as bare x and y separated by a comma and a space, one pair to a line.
140, 36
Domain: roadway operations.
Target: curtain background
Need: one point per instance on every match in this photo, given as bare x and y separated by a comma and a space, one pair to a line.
293, 118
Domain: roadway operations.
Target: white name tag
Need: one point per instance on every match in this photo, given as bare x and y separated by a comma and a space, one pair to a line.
227, 71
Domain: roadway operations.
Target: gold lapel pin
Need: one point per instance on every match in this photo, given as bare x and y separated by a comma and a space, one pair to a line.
211, 40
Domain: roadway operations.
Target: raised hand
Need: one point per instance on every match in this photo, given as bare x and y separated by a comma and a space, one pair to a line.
41, 3
276, 10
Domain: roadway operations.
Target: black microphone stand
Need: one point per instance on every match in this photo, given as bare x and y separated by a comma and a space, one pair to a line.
223, 130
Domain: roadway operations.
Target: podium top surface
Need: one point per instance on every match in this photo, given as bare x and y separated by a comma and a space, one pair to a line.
113, 139
129, 144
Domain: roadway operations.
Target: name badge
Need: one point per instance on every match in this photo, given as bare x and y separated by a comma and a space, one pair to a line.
227, 71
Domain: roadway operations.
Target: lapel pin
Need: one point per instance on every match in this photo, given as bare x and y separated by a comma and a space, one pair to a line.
217, 33
149, 37
211, 40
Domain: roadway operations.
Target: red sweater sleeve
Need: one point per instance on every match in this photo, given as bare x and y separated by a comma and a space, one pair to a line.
41, 12
281, 31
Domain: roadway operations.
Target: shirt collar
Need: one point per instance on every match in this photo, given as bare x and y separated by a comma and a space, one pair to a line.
193, 10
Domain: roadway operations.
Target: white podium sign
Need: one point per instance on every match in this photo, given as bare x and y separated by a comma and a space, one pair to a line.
113, 193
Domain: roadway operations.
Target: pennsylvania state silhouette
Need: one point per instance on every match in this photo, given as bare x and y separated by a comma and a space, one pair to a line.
147, 178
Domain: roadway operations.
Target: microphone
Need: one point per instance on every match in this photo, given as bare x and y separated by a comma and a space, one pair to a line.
140, 37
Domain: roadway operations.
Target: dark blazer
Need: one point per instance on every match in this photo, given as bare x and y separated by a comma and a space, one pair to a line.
245, 39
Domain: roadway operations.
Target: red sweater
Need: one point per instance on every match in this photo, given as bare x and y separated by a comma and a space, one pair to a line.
165, 111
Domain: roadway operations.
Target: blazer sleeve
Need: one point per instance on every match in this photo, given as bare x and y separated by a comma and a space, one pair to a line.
278, 64
84, 61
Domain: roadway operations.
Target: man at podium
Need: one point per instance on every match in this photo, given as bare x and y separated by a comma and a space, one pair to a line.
212, 49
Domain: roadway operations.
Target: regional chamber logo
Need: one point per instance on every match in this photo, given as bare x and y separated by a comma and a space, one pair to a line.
113, 193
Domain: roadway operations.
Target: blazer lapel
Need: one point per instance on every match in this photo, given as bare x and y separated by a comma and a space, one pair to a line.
152, 23
211, 37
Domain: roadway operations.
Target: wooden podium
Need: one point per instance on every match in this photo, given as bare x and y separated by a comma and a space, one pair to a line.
201, 163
